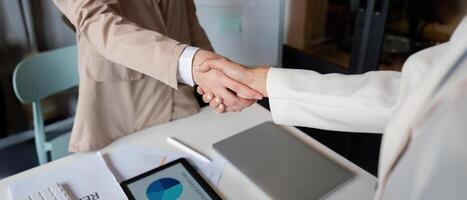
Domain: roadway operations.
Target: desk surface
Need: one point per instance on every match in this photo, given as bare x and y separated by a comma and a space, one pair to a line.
203, 130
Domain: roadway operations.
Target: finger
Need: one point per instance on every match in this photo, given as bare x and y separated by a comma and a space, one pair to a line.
220, 108
242, 105
247, 104
213, 63
216, 102
241, 90
232, 101
228, 98
231, 109
207, 97
200, 90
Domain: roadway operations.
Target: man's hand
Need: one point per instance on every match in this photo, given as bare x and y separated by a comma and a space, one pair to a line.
254, 78
230, 95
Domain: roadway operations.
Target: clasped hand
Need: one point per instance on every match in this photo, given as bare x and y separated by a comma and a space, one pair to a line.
225, 85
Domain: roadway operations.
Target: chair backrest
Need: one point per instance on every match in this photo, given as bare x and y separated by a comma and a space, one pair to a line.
44, 74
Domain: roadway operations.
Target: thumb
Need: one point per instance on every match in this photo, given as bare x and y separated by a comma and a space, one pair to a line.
204, 67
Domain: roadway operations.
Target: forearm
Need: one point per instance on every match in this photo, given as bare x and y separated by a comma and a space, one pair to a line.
257, 79
353, 103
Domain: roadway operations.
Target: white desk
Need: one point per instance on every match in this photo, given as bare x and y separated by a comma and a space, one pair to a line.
206, 128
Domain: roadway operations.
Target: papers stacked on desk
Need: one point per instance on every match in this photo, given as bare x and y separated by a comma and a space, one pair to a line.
88, 176
84, 178
130, 161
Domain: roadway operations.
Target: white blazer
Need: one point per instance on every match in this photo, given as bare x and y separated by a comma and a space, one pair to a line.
422, 113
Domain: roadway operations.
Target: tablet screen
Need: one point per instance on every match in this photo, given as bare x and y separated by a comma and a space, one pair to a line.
174, 182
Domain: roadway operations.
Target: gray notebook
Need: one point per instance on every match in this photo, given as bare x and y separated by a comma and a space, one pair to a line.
281, 165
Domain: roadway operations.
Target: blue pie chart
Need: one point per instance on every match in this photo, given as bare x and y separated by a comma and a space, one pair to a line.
164, 189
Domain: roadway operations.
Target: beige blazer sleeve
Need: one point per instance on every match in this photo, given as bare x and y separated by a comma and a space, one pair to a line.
351, 103
121, 41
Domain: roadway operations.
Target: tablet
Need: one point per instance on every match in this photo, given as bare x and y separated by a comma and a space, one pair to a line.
174, 180
282, 165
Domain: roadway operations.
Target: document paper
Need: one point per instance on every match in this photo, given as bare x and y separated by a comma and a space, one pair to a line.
130, 161
87, 178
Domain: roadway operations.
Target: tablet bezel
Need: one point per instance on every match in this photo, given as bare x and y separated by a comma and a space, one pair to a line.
198, 178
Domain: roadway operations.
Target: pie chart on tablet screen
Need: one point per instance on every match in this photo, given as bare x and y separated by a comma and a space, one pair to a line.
164, 189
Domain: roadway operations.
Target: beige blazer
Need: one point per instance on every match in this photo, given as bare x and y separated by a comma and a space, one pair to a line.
422, 114
128, 52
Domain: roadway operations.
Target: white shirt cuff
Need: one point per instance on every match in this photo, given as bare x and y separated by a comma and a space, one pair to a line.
185, 63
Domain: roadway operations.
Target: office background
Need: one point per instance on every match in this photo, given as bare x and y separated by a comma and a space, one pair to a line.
328, 36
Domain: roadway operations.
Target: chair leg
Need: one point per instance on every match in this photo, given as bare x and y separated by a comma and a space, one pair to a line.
39, 135
3, 121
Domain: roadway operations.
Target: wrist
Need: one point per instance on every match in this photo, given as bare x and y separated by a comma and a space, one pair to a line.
194, 64
258, 78
200, 56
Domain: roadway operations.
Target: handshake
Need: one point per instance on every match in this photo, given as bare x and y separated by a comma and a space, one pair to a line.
226, 85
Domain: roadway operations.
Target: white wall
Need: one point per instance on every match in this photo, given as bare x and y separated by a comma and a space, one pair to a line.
246, 31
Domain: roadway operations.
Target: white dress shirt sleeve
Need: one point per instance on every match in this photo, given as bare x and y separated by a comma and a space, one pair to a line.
185, 64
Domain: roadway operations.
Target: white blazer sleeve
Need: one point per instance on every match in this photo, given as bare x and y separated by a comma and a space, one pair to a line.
350, 103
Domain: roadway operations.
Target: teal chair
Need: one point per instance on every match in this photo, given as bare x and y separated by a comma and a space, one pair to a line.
40, 76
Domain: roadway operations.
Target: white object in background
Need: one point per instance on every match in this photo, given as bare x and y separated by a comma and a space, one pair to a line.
246, 31
129, 161
184, 147
53, 192
88, 177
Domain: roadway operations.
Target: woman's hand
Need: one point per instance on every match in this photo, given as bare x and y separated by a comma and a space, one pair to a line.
254, 78
228, 94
